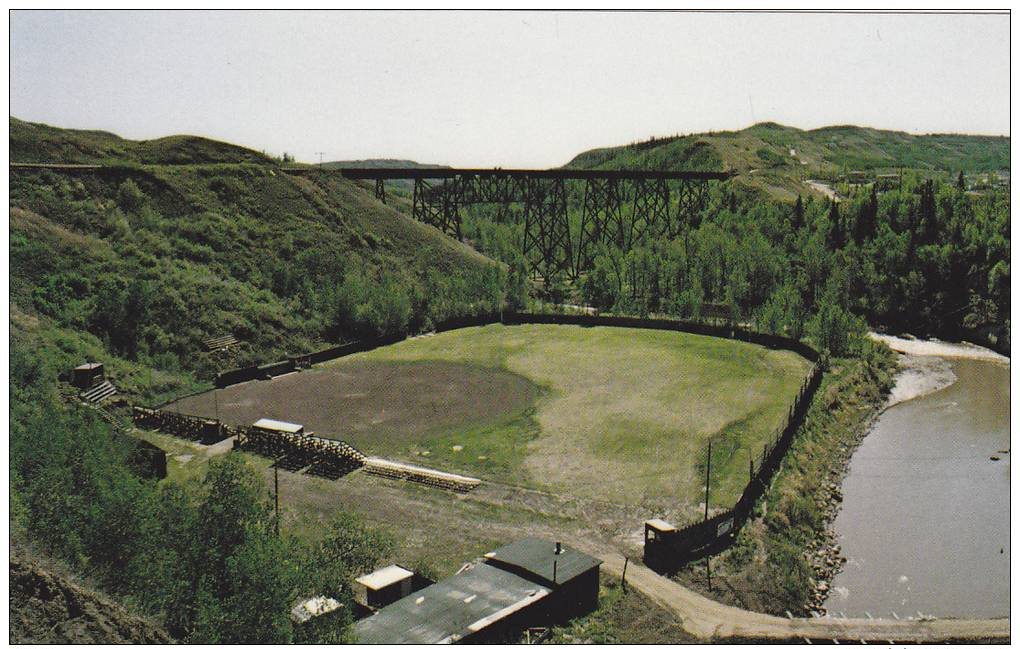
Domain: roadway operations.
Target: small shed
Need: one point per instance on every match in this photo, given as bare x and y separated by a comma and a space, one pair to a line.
274, 426
572, 575
383, 587
659, 544
88, 375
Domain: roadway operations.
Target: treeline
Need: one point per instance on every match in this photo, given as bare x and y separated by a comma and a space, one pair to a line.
205, 562
927, 258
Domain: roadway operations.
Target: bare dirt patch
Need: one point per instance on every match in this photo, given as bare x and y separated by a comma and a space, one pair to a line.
377, 406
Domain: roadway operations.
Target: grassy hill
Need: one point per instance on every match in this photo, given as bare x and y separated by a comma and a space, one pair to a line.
778, 158
138, 263
31, 142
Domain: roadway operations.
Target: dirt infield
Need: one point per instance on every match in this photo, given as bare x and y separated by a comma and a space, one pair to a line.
374, 405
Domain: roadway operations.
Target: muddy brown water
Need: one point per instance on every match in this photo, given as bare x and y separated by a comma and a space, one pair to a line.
924, 523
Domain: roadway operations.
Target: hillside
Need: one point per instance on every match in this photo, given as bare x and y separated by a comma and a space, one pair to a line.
48, 606
31, 142
402, 185
779, 158
139, 263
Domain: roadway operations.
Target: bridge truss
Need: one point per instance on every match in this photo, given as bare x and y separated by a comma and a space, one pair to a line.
617, 207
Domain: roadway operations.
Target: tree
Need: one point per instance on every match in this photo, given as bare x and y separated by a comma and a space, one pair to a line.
835, 237
599, 288
236, 505
961, 182
517, 285
797, 219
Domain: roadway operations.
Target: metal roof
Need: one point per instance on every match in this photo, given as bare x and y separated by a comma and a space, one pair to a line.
88, 366
537, 559
660, 525
384, 577
272, 424
451, 609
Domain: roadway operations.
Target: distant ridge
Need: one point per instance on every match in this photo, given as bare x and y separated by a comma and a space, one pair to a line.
778, 158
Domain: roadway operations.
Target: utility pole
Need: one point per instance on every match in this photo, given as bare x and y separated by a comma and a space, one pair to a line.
276, 493
320, 153
708, 476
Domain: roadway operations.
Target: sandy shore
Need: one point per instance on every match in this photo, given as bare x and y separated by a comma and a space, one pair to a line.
923, 365
939, 348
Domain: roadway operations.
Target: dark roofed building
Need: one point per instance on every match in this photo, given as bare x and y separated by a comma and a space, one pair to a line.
543, 561
571, 574
530, 582
476, 603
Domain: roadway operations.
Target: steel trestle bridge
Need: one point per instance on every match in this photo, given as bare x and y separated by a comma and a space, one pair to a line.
618, 207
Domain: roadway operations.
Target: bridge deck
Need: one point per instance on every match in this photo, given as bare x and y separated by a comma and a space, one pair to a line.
373, 173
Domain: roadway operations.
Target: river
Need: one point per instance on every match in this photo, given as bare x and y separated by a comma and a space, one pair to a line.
924, 524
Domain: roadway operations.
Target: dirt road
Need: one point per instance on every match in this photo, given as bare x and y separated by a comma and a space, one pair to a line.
708, 619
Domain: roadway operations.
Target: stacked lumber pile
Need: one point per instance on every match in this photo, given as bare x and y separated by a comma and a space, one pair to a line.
430, 477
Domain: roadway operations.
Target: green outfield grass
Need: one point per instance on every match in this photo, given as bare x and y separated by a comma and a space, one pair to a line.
623, 415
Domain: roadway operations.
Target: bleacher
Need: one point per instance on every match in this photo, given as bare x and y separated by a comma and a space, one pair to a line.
98, 393
180, 425
430, 477
219, 342
327, 458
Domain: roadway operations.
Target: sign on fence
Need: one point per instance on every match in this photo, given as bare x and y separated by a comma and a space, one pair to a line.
724, 527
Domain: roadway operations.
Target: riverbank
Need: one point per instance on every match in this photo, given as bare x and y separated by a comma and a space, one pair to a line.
783, 560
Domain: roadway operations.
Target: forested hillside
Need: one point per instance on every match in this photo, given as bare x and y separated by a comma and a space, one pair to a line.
927, 255
143, 262
174, 241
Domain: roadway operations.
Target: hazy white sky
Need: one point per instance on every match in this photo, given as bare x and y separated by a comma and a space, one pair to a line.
500, 88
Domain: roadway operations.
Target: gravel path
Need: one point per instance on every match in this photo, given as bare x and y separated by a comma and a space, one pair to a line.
706, 618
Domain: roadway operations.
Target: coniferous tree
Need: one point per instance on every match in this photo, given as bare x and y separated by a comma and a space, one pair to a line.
797, 221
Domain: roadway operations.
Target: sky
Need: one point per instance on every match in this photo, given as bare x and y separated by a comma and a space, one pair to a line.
509, 89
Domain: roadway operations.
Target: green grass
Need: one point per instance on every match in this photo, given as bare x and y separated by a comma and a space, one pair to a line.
627, 413
623, 616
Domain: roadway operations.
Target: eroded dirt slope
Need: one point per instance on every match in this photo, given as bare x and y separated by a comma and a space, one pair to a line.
47, 607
